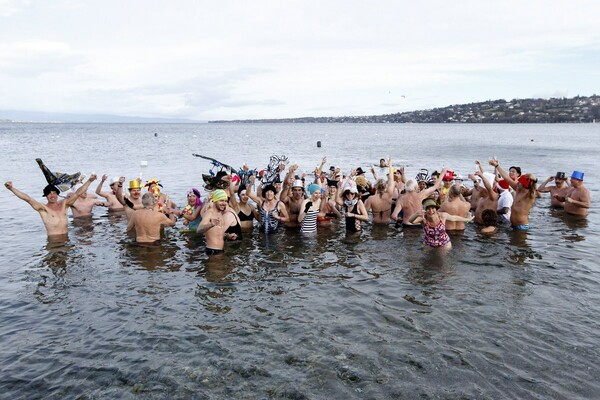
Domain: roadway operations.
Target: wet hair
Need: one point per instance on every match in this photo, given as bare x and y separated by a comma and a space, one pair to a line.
518, 169
148, 200
489, 217
435, 173
50, 188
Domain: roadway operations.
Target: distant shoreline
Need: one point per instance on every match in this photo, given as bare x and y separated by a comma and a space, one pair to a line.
580, 109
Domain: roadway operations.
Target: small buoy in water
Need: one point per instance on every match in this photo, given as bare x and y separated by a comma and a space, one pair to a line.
143, 163
319, 143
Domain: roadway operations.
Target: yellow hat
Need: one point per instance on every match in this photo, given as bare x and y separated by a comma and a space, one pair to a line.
219, 195
361, 181
134, 184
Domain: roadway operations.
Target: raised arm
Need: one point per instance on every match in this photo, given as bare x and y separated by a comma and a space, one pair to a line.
491, 192
99, 188
427, 192
36, 205
71, 199
323, 206
338, 193
374, 173
232, 198
251, 195
543, 188
391, 183
319, 168
402, 174
287, 183
478, 163
119, 193
494, 163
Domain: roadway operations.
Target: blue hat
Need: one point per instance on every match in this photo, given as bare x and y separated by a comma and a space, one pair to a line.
313, 187
577, 175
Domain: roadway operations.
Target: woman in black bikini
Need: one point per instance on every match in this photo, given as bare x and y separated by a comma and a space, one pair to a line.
245, 211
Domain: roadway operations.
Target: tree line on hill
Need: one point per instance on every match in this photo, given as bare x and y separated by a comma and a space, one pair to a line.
580, 109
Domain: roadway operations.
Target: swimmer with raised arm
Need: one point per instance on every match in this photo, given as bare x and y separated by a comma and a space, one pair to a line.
54, 212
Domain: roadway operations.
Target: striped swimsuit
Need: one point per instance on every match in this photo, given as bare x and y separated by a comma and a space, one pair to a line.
309, 223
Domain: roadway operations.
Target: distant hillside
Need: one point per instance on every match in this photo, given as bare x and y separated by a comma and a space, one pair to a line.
578, 109
32, 116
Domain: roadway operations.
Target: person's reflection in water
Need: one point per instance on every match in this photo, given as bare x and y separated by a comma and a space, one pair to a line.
435, 260
574, 223
214, 290
57, 251
430, 270
151, 256
217, 267
84, 228
116, 217
56, 260
521, 251
379, 232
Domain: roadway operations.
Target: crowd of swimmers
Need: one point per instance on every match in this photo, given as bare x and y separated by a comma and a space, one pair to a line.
239, 203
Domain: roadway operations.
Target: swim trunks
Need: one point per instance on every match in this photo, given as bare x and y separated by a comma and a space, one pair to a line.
211, 252
412, 226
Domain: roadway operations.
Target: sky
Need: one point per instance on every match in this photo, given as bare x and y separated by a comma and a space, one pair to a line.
215, 60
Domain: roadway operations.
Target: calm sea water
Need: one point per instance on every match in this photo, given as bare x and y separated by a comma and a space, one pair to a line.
286, 316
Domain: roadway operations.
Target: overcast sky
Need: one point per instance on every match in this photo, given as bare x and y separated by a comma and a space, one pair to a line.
223, 59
